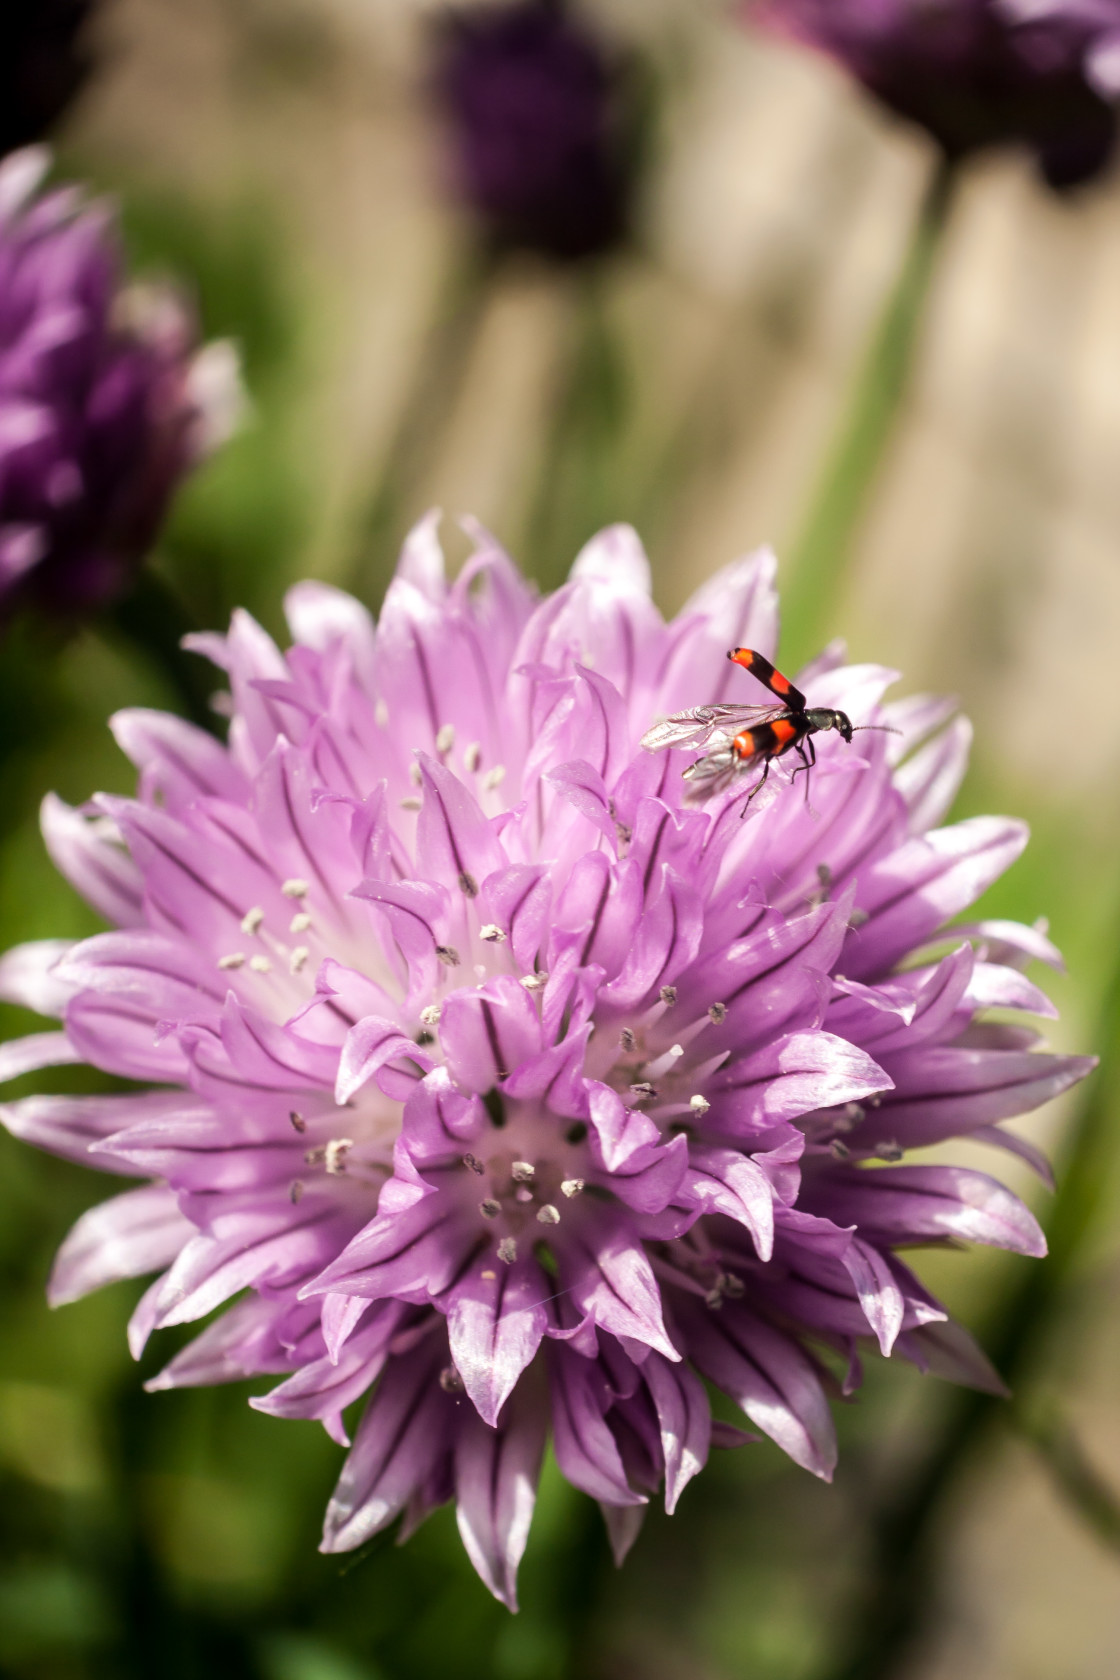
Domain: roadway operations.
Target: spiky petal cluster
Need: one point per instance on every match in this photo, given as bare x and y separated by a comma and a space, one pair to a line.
509, 1086
540, 152
104, 402
979, 73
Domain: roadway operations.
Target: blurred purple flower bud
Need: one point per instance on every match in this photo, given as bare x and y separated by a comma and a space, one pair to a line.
105, 401
979, 73
504, 1085
540, 146
43, 62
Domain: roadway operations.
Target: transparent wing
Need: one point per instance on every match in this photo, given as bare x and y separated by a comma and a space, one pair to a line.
701, 725
711, 774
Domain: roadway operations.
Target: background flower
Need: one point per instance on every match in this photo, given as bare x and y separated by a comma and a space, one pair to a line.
43, 62
505, 1080
538, 134
105, 401
975, 73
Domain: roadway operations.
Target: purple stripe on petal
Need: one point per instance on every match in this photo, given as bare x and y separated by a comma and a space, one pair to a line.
323, 1388
138, 1232
254, 1337
73, 1127
685, 1421
930, 779
95, 866
767, 1374
487, 1033
496, 1318
903, 1204
378, 1048
609, 1276
586, 1450
916, 890
496, 1475
404, 1432
178, 761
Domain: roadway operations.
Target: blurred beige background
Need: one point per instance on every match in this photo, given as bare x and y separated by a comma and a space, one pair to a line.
775, 219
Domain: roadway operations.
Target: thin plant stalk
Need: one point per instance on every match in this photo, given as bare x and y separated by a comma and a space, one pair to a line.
153, 620
577, 490
1073, 1473
450, 340
904, 1563
819, 557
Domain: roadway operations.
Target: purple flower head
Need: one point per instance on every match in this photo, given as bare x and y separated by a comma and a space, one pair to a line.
977, 73
536, 128
504, 1087
104, 402
43, 62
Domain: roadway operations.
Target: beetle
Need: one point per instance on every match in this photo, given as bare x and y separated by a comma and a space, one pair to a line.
740, 738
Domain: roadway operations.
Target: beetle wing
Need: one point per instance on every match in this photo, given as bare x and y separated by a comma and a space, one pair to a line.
701, 725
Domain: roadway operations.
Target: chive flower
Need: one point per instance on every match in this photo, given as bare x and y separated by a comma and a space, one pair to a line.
495, 1090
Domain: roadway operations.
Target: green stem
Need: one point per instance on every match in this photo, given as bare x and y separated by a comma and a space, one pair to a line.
903, 1567
577, 492
1075, 1477
450, 339
819, 556
153, 619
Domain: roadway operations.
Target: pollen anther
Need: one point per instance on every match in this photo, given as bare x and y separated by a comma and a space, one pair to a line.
300, 922
572, 1187
489, 1209
507, 1251
523, 1172
235, 959
260, 965
335, 1154
445, 740
298, 958
548, 1215
492, 934
252, 919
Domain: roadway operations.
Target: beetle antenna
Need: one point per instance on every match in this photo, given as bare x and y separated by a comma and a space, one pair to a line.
883, 728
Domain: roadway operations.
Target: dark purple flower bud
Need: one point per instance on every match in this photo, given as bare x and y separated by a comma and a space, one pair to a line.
105, 403
979, 73
541, 149
43, 62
